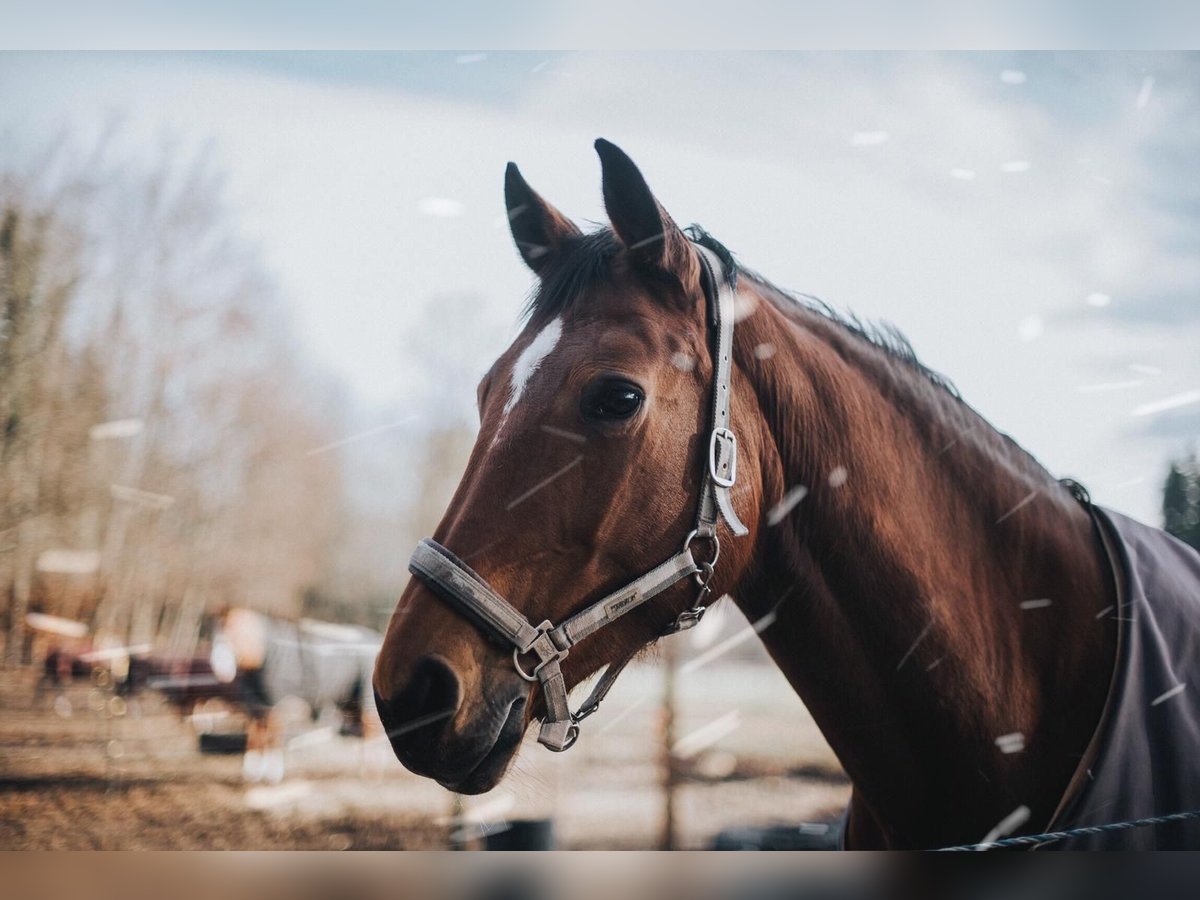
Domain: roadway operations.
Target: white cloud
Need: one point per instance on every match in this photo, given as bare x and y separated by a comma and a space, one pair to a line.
331, 181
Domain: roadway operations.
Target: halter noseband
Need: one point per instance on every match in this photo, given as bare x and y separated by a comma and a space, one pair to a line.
456, 582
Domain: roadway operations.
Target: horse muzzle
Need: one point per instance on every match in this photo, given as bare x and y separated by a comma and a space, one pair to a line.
424, 725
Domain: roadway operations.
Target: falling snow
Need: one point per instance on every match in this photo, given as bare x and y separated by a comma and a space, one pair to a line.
869, 138
1106, 386
1143, 97
1098, 300
1012, 76
371, 432
707, 735
1031, 328
563, 433
780, 510
915, 644
728, 644
1011, 743
963, 174
1028, 499
1040, 603
683, 362
838, 476
1015, 166
619, 717
1187, 398
1008, 824
764, 351
421, 721
139, 497
1167, 695
118, 428
544, 482
441, 207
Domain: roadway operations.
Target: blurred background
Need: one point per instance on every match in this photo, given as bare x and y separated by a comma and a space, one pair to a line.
245, 300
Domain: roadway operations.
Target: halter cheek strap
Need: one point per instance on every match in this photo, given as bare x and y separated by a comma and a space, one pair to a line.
538, 650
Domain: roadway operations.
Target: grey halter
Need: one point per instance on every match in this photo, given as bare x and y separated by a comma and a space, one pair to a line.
456, 582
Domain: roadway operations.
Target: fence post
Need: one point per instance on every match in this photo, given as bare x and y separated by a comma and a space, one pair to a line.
670, 765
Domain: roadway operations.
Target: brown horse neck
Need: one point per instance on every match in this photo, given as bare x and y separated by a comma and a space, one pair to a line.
936, 589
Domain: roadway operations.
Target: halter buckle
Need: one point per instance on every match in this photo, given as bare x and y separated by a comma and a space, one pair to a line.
722, 434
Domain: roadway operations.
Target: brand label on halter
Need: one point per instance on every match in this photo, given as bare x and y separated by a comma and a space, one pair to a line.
618, 605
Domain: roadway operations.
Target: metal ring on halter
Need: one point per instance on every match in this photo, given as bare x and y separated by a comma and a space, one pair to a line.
704, 572
522, 672
713, 539
532, 676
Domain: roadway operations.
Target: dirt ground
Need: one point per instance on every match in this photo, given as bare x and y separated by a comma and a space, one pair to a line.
86, 770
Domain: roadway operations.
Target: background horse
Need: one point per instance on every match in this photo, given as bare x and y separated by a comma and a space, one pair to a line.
324, 665
943, 606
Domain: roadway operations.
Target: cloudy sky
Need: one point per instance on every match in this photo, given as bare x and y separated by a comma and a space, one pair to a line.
1031, 222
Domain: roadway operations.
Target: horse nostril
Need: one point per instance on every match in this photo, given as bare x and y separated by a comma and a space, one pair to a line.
428, 700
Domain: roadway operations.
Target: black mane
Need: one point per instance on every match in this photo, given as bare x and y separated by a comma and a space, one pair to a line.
585, 261
581, 263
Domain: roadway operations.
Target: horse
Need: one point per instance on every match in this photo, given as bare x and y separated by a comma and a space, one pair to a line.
326, 666
956, 619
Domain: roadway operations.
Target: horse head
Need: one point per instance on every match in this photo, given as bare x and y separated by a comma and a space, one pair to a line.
586, 473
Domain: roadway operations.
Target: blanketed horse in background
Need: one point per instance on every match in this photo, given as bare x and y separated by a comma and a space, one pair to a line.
264, 660
984, 650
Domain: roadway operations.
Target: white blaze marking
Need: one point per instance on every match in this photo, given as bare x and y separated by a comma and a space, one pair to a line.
530, 359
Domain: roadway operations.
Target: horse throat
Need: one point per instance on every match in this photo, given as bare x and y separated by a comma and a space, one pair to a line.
936, 591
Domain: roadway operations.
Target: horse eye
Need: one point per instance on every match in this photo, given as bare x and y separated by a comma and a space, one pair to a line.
611, 401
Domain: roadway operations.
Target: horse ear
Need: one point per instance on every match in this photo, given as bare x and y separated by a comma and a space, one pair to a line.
537, 227
639, 220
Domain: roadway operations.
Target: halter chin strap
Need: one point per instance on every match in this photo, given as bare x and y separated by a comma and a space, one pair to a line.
459, 584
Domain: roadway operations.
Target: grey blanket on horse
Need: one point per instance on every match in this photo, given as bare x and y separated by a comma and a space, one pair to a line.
324, 665
1144, 759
